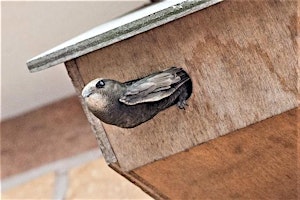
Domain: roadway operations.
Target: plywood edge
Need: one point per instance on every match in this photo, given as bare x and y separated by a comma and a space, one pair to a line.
117, 30
140, 182
97, 127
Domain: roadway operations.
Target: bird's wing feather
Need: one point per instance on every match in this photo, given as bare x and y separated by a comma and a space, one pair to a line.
154, 87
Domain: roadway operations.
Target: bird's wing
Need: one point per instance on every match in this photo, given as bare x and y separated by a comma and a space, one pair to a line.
154, 87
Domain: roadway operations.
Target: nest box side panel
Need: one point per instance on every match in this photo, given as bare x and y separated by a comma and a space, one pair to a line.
241, 56
256, 162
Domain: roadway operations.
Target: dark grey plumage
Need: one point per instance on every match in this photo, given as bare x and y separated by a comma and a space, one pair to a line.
131, 103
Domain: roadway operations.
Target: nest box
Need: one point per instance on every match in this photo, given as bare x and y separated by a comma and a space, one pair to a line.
242, 58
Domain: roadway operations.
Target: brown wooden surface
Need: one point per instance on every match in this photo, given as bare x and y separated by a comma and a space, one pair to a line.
257, 162
241, 56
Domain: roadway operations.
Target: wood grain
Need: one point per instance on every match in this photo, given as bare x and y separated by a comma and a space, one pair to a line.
241, 56
257, 162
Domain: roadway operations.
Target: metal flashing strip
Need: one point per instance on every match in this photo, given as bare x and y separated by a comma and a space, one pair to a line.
117, 30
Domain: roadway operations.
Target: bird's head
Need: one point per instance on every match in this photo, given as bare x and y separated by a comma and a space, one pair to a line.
99, 93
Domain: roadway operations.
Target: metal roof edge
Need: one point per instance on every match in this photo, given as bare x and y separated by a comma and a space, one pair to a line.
118, 30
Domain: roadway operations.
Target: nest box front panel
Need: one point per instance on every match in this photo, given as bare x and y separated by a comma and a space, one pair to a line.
241, 57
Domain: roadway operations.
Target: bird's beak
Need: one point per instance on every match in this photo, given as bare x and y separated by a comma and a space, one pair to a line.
86, 92
89, 88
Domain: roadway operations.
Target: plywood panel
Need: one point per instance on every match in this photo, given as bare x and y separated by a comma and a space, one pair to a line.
241, 56
257, 162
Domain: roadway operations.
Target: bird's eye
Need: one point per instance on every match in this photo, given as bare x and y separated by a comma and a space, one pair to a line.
100, 84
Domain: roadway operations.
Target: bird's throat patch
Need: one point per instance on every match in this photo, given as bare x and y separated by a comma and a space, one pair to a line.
97, 102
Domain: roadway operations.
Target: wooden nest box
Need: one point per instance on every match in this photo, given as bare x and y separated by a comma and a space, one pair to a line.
242, 58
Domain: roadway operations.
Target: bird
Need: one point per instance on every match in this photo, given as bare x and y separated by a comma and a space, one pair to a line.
129, 104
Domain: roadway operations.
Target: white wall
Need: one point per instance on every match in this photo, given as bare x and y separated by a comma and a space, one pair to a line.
30, 28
